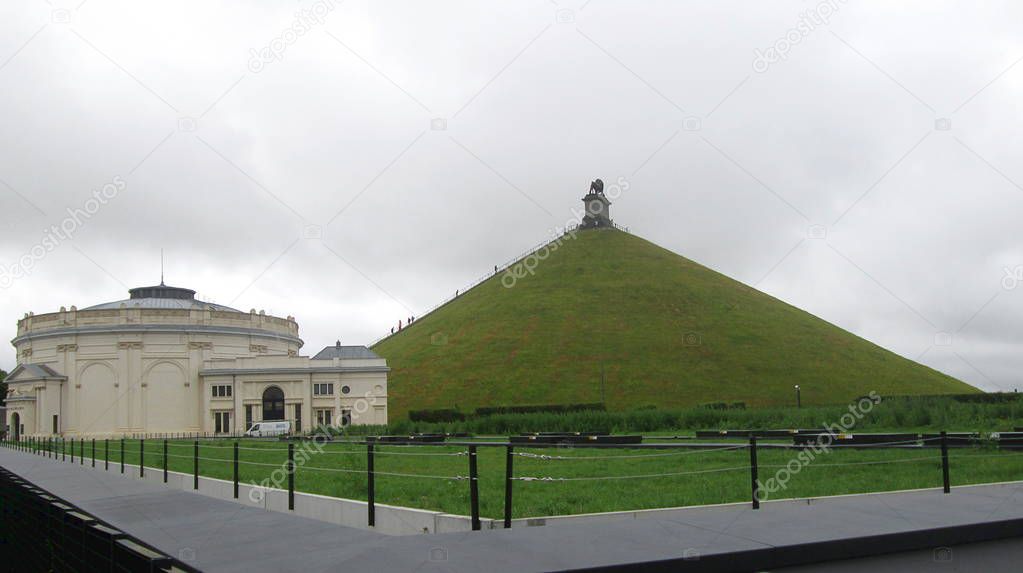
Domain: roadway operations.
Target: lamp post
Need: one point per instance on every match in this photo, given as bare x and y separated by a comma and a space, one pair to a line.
799, 402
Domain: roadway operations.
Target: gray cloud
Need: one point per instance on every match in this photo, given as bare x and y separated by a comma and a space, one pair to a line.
317, 186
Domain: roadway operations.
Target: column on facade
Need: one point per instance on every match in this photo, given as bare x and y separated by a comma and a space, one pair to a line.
238, 423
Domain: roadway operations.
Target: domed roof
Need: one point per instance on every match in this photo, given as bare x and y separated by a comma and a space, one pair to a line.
161, 296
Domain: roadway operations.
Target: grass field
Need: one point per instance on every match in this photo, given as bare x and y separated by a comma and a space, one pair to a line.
710, 476
657, 328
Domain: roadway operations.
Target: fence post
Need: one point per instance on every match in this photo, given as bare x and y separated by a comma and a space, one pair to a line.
94, 452
106, 454
755, 483
165, 460
63, 450
72, 450
81, 451
944, 461
142, 457
474, 490
122, 455
195, 465
291, 476
508, 474
371, 507
236, 470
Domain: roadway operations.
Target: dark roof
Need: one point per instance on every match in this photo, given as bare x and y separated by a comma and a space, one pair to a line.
34, 372
345, 352
162, 291
161, 296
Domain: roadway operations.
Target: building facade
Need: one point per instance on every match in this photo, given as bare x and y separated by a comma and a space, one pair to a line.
162, 361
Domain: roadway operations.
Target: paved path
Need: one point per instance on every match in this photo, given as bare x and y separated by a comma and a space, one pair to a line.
220, 535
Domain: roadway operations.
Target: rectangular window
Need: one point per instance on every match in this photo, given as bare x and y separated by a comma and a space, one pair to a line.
222, 422
298, 417
324, 416
346, 417
323, 389
248, 416
222, 391
56, 424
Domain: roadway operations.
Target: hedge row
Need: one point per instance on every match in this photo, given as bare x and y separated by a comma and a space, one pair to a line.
452, 415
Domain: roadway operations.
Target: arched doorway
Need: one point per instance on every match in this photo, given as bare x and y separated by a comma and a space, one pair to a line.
16, 426
273, 403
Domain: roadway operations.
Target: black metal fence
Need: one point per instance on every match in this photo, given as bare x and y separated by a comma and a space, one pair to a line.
60, 449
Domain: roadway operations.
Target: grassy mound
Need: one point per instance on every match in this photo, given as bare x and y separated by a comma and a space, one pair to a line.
609, 317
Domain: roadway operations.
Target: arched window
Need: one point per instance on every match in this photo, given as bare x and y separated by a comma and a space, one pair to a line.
273, 403
16, 426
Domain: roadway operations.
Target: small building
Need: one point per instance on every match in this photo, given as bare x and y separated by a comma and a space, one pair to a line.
163, 362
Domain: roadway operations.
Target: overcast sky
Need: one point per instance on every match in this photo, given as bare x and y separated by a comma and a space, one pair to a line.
352, 163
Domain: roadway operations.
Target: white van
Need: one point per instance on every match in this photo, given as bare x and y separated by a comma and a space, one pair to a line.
263, 429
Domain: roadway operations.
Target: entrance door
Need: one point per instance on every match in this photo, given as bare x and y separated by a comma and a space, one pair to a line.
16, 426
273, 403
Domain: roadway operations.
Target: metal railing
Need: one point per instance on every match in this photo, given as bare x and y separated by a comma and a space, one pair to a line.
371, 448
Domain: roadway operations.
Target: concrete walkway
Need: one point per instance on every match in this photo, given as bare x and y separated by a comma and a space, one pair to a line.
220, 535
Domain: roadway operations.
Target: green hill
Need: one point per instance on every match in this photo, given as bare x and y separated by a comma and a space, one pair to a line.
665, 332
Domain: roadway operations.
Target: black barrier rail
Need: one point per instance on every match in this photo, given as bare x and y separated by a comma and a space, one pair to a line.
573, 453
42, 532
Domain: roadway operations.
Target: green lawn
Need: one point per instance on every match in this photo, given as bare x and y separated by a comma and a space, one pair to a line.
708, 477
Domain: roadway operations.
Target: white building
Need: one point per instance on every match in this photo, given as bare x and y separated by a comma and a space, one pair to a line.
162, 361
